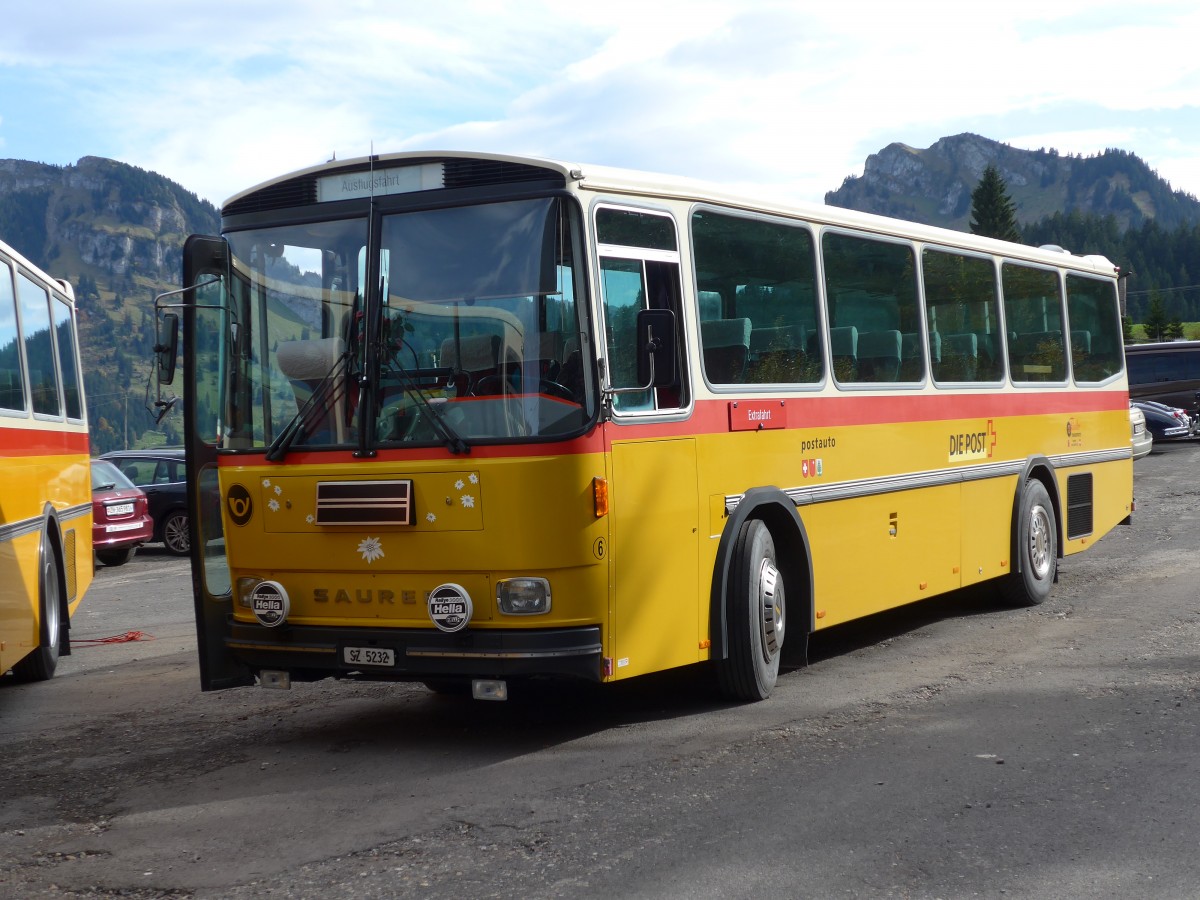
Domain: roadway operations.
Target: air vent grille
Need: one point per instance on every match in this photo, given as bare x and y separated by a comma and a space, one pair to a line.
1079, 505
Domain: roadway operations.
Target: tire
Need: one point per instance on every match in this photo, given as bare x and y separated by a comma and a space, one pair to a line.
1036, 555
41, 663
756, 616
116, 557
175, 533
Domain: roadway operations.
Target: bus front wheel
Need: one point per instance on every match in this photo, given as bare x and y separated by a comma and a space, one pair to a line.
756, 616
41, 663
1037, 548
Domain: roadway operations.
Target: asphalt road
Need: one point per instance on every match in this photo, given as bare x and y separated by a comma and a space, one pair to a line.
954, 748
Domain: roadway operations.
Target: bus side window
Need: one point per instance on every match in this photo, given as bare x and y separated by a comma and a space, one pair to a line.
871, 290
1033, 309
962, 317
1094, 314
12, 384
761, 273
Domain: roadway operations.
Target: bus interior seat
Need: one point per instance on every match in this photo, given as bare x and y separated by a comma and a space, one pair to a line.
776, 338
879, 355
960, 357
1081, 340
306, 364
726, 345
912, 365
988, 344
843, 348
1026, 346
710, 305
477, 356
776, 353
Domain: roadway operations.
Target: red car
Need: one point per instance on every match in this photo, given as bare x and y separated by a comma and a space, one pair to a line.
120, 515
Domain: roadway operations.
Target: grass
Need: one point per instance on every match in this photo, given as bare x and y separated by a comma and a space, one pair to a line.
1191, 332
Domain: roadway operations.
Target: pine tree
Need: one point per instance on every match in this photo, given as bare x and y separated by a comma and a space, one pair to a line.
1156, 319
992, 211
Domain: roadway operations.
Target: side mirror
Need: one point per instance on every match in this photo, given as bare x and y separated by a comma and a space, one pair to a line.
656, 348
167, 347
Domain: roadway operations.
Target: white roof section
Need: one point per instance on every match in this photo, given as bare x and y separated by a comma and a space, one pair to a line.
612, 180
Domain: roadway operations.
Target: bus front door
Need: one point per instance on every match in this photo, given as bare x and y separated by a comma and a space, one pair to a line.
207, 333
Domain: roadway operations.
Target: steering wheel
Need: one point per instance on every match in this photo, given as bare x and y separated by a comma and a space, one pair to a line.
554, 389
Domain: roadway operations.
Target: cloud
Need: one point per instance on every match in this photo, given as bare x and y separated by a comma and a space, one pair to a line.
767, 97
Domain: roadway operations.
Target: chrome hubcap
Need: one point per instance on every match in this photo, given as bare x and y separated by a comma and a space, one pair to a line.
770, 605
1039, 542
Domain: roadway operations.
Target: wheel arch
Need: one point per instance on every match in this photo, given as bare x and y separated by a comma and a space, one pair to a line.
1041, 469
793, 558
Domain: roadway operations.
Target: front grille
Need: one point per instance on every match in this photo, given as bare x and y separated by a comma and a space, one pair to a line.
365, 502
295, 192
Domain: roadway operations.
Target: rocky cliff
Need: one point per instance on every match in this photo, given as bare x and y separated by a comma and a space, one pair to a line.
934, 185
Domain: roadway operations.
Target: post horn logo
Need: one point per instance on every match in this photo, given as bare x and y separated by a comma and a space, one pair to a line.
237, 501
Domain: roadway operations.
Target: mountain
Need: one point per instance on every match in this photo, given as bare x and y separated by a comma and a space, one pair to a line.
116, 232
934, 186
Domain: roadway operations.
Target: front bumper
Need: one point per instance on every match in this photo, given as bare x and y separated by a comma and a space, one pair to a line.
312, 652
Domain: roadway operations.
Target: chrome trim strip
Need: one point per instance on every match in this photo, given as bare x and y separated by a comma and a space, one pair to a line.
503, 654
867, 487
14, 530
1091, 457
74, 512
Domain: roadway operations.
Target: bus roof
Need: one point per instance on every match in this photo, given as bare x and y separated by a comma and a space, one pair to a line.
613, 180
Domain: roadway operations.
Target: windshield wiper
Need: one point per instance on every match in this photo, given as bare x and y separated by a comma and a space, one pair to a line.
295, 426
451, 438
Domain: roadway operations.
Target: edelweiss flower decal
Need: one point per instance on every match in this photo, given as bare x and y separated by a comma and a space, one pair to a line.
371, 549
277, 490
467, 500
430, 518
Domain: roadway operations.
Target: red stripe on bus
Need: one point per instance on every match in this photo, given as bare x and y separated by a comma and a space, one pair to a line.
712, 417
16, 442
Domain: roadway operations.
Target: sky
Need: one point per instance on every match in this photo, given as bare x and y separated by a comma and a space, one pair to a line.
776, 99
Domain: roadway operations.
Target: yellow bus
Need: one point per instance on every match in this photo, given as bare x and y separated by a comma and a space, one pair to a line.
45, 476
464, 419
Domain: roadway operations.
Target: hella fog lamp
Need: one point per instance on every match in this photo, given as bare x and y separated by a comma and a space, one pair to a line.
523, 596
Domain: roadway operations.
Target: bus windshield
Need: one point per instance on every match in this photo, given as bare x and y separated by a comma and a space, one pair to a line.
454, 326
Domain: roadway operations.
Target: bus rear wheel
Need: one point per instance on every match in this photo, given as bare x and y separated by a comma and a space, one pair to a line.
756, 613
41, 663
1036, 562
